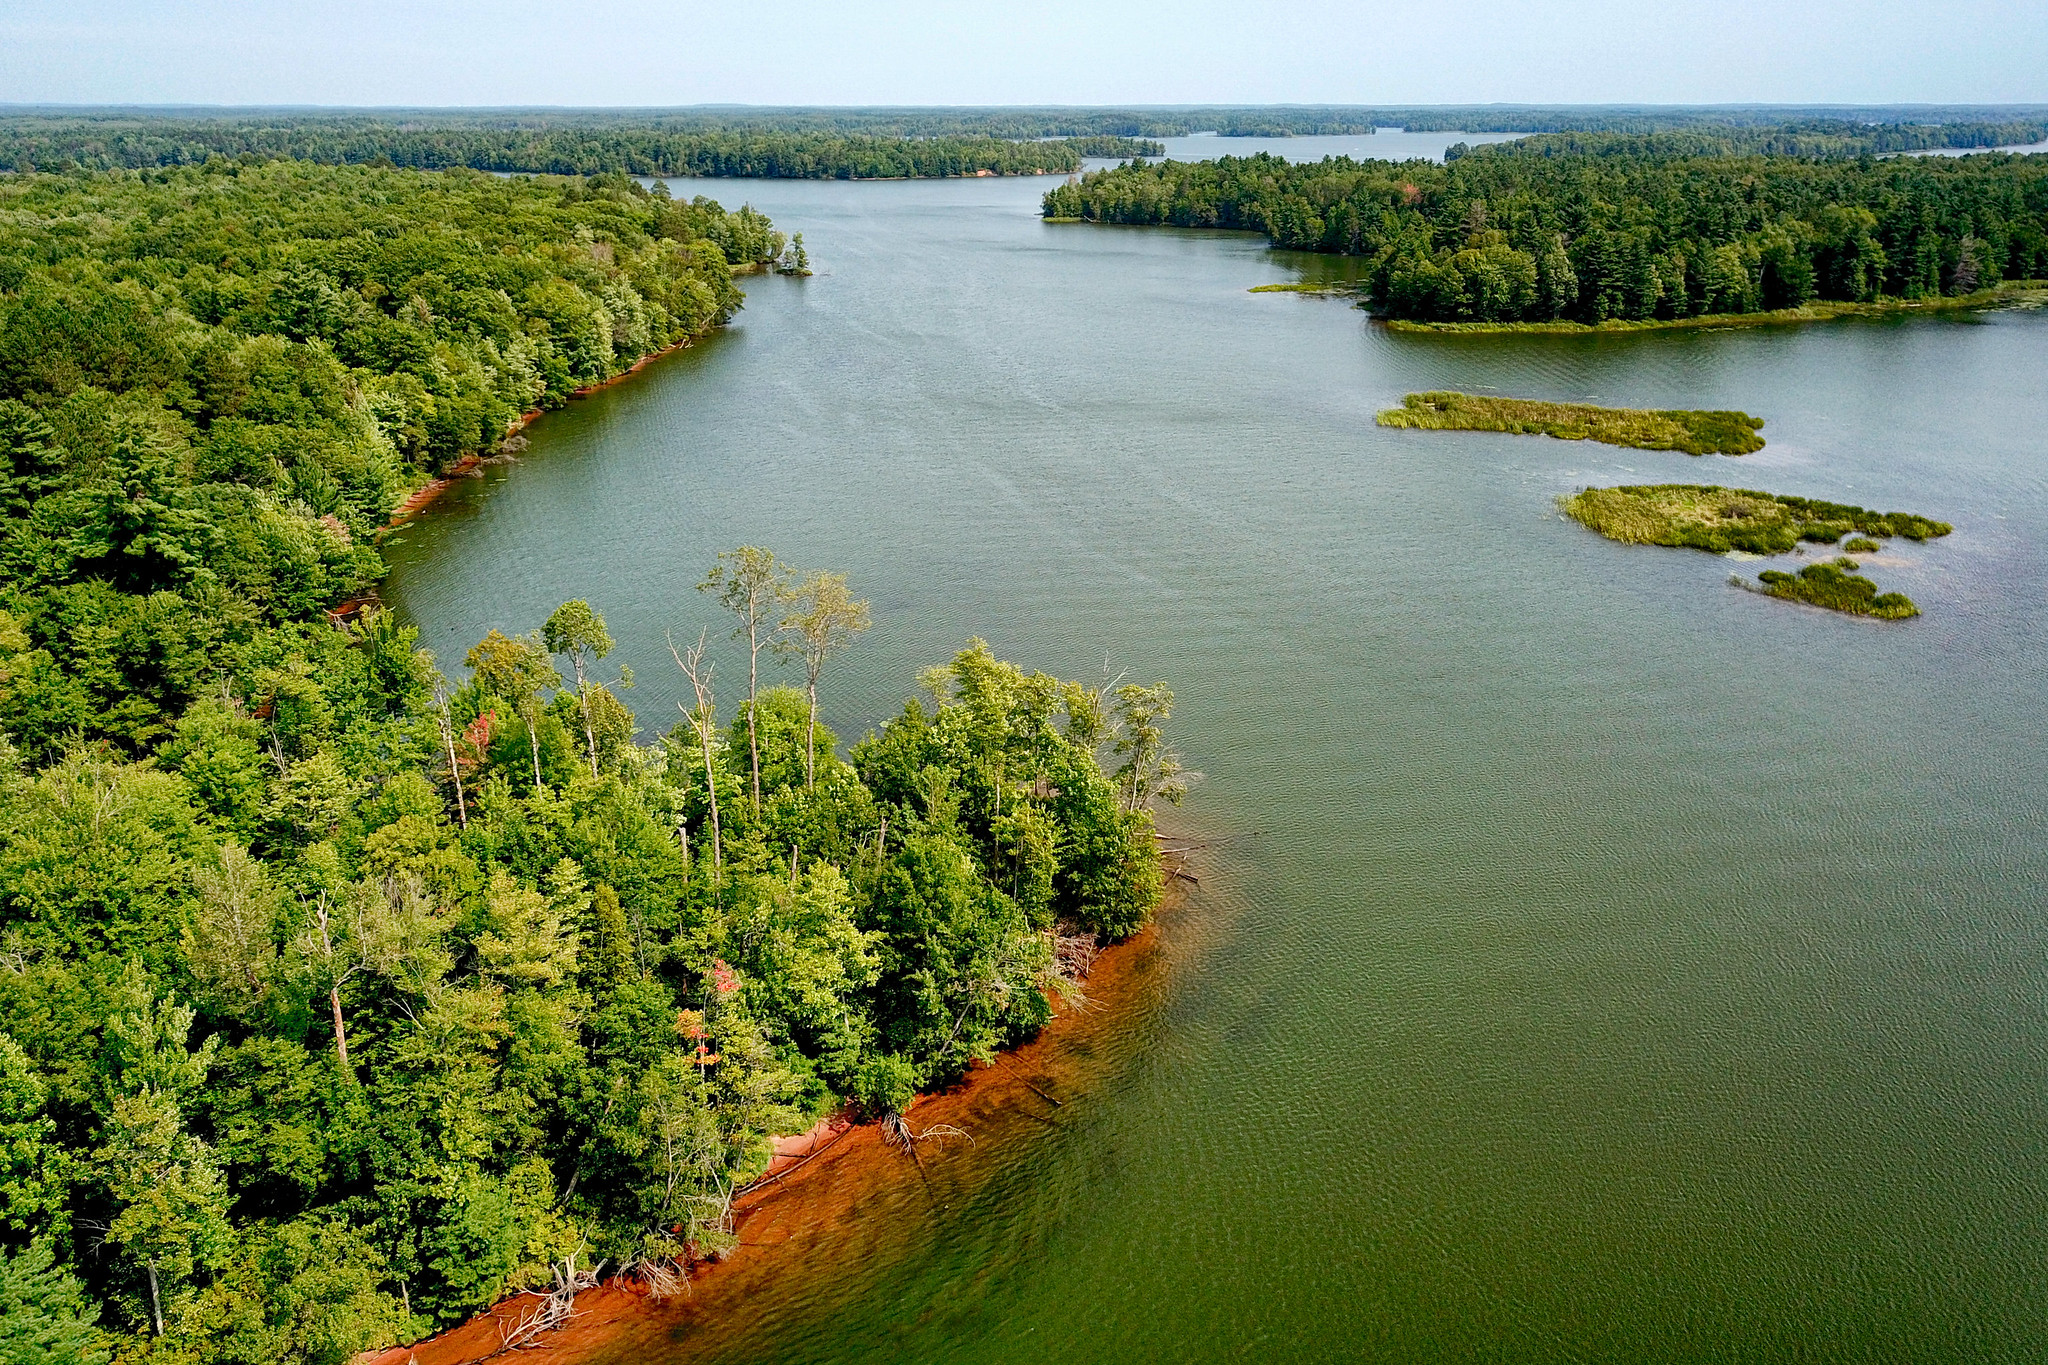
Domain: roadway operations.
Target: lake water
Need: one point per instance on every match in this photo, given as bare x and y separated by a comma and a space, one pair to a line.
2028, 149
1386, 144
1602, 963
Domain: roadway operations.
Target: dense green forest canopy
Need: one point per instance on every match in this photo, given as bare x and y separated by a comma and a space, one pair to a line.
321, 337
339, 995
324, 1023
550, 148
1613, 227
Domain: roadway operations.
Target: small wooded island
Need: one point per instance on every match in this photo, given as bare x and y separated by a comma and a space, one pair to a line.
1720, 520
1695, 433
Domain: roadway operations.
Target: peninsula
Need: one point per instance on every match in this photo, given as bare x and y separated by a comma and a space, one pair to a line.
1684, 227
343, 995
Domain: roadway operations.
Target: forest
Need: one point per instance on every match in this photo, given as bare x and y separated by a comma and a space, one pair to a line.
134, 142
343, 990
1616, 226
902, 143
84, 134
1806, 137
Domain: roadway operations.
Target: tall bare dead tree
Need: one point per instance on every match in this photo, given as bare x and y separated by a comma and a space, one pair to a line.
447, 721
750, 582
702, 720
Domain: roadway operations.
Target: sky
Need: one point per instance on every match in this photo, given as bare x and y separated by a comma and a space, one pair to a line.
679, 52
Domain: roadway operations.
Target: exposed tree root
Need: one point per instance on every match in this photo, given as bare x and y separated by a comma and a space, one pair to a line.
557, 1306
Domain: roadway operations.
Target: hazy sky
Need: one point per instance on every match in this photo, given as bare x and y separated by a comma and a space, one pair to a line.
641, 52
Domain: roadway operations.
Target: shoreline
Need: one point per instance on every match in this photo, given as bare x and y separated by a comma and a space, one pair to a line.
2019, 292
824, 1183
2014, 293
417, 500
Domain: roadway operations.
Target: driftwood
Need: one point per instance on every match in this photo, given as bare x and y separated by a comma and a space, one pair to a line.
1049, 1099
1074, 955
664, 1278
897, 1132
556, 1308
1177, 848
775, 1177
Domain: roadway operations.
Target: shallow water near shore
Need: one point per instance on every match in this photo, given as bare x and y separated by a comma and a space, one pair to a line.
1603, 963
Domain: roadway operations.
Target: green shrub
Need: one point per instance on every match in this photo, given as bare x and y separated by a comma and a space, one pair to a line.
886, 1084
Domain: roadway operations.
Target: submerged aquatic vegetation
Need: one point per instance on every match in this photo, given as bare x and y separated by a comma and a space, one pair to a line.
1834, 586
1707, 517
1695, 433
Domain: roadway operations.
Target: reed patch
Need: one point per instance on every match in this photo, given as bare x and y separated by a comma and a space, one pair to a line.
1838, 587
1706, 517
1694, 432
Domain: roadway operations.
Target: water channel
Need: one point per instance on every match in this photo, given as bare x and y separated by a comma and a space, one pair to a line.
1600, 963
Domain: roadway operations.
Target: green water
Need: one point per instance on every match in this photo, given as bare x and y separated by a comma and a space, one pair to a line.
1608, 965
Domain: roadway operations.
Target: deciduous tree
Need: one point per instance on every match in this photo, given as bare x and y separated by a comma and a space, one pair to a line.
823, 618
519, 671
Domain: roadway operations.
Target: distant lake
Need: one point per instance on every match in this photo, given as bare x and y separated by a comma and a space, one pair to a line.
1385, 144
1596, 962
2029, 149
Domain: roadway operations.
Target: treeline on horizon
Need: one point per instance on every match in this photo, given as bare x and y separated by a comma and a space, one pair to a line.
579, 148
905, 143
1058, 121
1811, 137
1588, 229
341, 995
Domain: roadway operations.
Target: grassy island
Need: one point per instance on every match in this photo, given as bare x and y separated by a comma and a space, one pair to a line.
1339, 288
1695, 433
1838, 587
1706, 517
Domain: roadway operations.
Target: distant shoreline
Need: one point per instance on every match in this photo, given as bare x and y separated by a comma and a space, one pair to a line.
2015, 292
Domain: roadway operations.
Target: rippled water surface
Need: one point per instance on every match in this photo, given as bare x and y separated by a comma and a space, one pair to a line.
1606, 964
